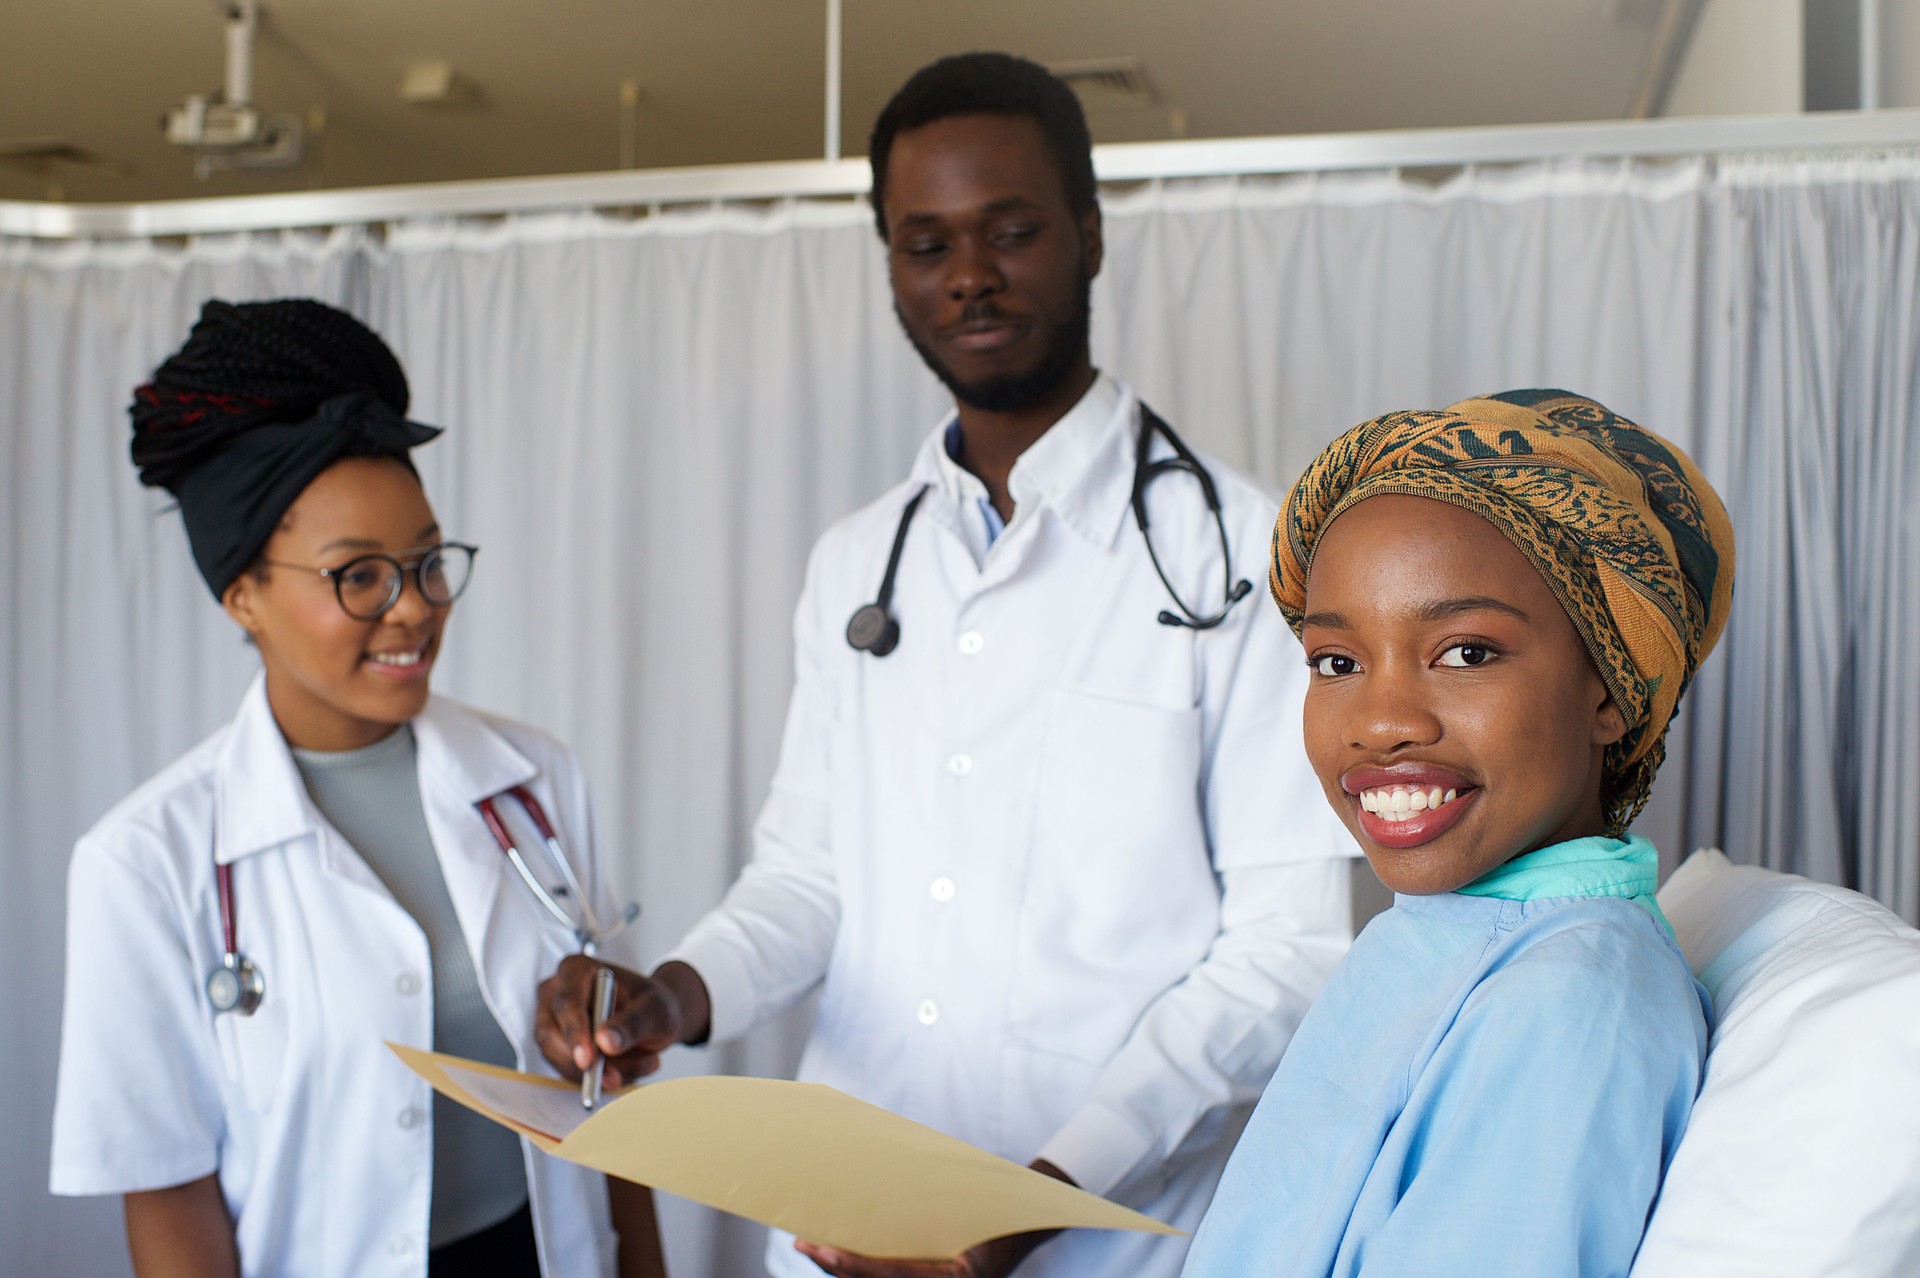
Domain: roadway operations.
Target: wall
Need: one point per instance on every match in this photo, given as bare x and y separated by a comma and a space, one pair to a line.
1899, 53
1745, 58
1748, 57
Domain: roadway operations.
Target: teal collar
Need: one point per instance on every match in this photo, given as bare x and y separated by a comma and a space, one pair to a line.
1593, 866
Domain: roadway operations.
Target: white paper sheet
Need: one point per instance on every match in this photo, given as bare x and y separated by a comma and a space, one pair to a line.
547, 1110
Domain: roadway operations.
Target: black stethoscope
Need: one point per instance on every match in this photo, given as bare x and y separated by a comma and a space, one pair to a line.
237, 984
873, 627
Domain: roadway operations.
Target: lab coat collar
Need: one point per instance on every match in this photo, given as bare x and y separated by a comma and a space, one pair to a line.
259, 799
263, 803
461, 757
1082, 467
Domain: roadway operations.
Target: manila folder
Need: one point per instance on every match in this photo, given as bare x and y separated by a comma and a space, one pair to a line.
797, 1156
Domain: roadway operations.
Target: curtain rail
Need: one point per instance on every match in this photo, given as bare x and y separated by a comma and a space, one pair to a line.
824, 179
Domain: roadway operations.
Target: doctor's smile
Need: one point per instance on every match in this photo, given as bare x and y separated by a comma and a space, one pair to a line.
985, 328
413, 662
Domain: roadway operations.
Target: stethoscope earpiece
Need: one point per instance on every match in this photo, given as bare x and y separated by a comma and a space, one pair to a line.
1241, 589
873, 629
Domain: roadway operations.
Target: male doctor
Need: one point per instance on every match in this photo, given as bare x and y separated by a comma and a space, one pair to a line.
1058, 868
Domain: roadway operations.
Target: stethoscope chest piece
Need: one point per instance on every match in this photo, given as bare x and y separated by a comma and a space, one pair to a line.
236, 985
873, 629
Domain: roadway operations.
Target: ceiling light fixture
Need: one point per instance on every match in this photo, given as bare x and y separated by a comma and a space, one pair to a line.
437, 83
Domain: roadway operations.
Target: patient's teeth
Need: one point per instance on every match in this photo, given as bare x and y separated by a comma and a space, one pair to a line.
1400, 803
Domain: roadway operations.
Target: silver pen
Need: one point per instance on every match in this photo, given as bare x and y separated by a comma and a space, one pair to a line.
601, 1009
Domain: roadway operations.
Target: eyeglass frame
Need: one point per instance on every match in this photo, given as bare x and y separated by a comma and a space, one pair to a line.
414, 562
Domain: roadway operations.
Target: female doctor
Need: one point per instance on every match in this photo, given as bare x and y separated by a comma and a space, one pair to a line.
248, 928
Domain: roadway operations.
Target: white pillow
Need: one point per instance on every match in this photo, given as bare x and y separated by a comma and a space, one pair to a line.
1802, 1157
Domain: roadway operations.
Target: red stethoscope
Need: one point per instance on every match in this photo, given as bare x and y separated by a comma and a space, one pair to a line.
237, 984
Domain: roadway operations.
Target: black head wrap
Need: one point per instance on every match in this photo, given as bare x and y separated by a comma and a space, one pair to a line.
261, 399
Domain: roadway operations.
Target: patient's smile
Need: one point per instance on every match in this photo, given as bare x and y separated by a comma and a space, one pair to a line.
1398, 803
1406, 804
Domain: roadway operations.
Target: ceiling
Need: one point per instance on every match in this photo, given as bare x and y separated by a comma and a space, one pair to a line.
724, 81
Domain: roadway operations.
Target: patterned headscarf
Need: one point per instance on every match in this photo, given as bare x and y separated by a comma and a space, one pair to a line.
1620, 523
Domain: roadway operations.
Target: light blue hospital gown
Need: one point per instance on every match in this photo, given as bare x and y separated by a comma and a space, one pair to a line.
1487, 1087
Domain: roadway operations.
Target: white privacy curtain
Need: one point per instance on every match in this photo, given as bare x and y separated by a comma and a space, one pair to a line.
649, 421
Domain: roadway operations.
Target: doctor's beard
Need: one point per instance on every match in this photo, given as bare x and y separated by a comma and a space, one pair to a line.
1065, 342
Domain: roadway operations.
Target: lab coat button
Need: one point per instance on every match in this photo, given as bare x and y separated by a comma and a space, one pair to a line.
942, 889
972, 642
928, 1011
410, 1117
960, 765
400, 1246
407, 983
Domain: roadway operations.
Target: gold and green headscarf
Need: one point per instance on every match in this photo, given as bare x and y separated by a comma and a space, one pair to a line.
1621, 524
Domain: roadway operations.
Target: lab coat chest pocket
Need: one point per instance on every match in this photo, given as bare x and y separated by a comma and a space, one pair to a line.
1120, 898
253, 1049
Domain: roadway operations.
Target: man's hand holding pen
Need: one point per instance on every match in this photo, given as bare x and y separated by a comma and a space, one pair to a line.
648, 1015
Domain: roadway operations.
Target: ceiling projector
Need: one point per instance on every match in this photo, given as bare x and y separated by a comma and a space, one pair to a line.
225, 128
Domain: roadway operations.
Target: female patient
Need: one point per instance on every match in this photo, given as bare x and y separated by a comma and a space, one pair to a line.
1502, 603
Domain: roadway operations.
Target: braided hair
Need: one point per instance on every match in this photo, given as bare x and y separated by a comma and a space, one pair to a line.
249, 363
261, 399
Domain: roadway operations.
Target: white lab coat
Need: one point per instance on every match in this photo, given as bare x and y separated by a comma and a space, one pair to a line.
1062, 872
322, 1139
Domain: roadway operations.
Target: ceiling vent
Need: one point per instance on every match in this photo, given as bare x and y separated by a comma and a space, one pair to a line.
50, 160
39, 153
1105, 84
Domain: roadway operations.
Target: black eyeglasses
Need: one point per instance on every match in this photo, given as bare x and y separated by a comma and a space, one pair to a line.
368, 585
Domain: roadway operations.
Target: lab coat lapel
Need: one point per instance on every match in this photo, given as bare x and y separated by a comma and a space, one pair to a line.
463, 760
1089, 495
1086, 487
942, 512
1094, 504
259, 800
